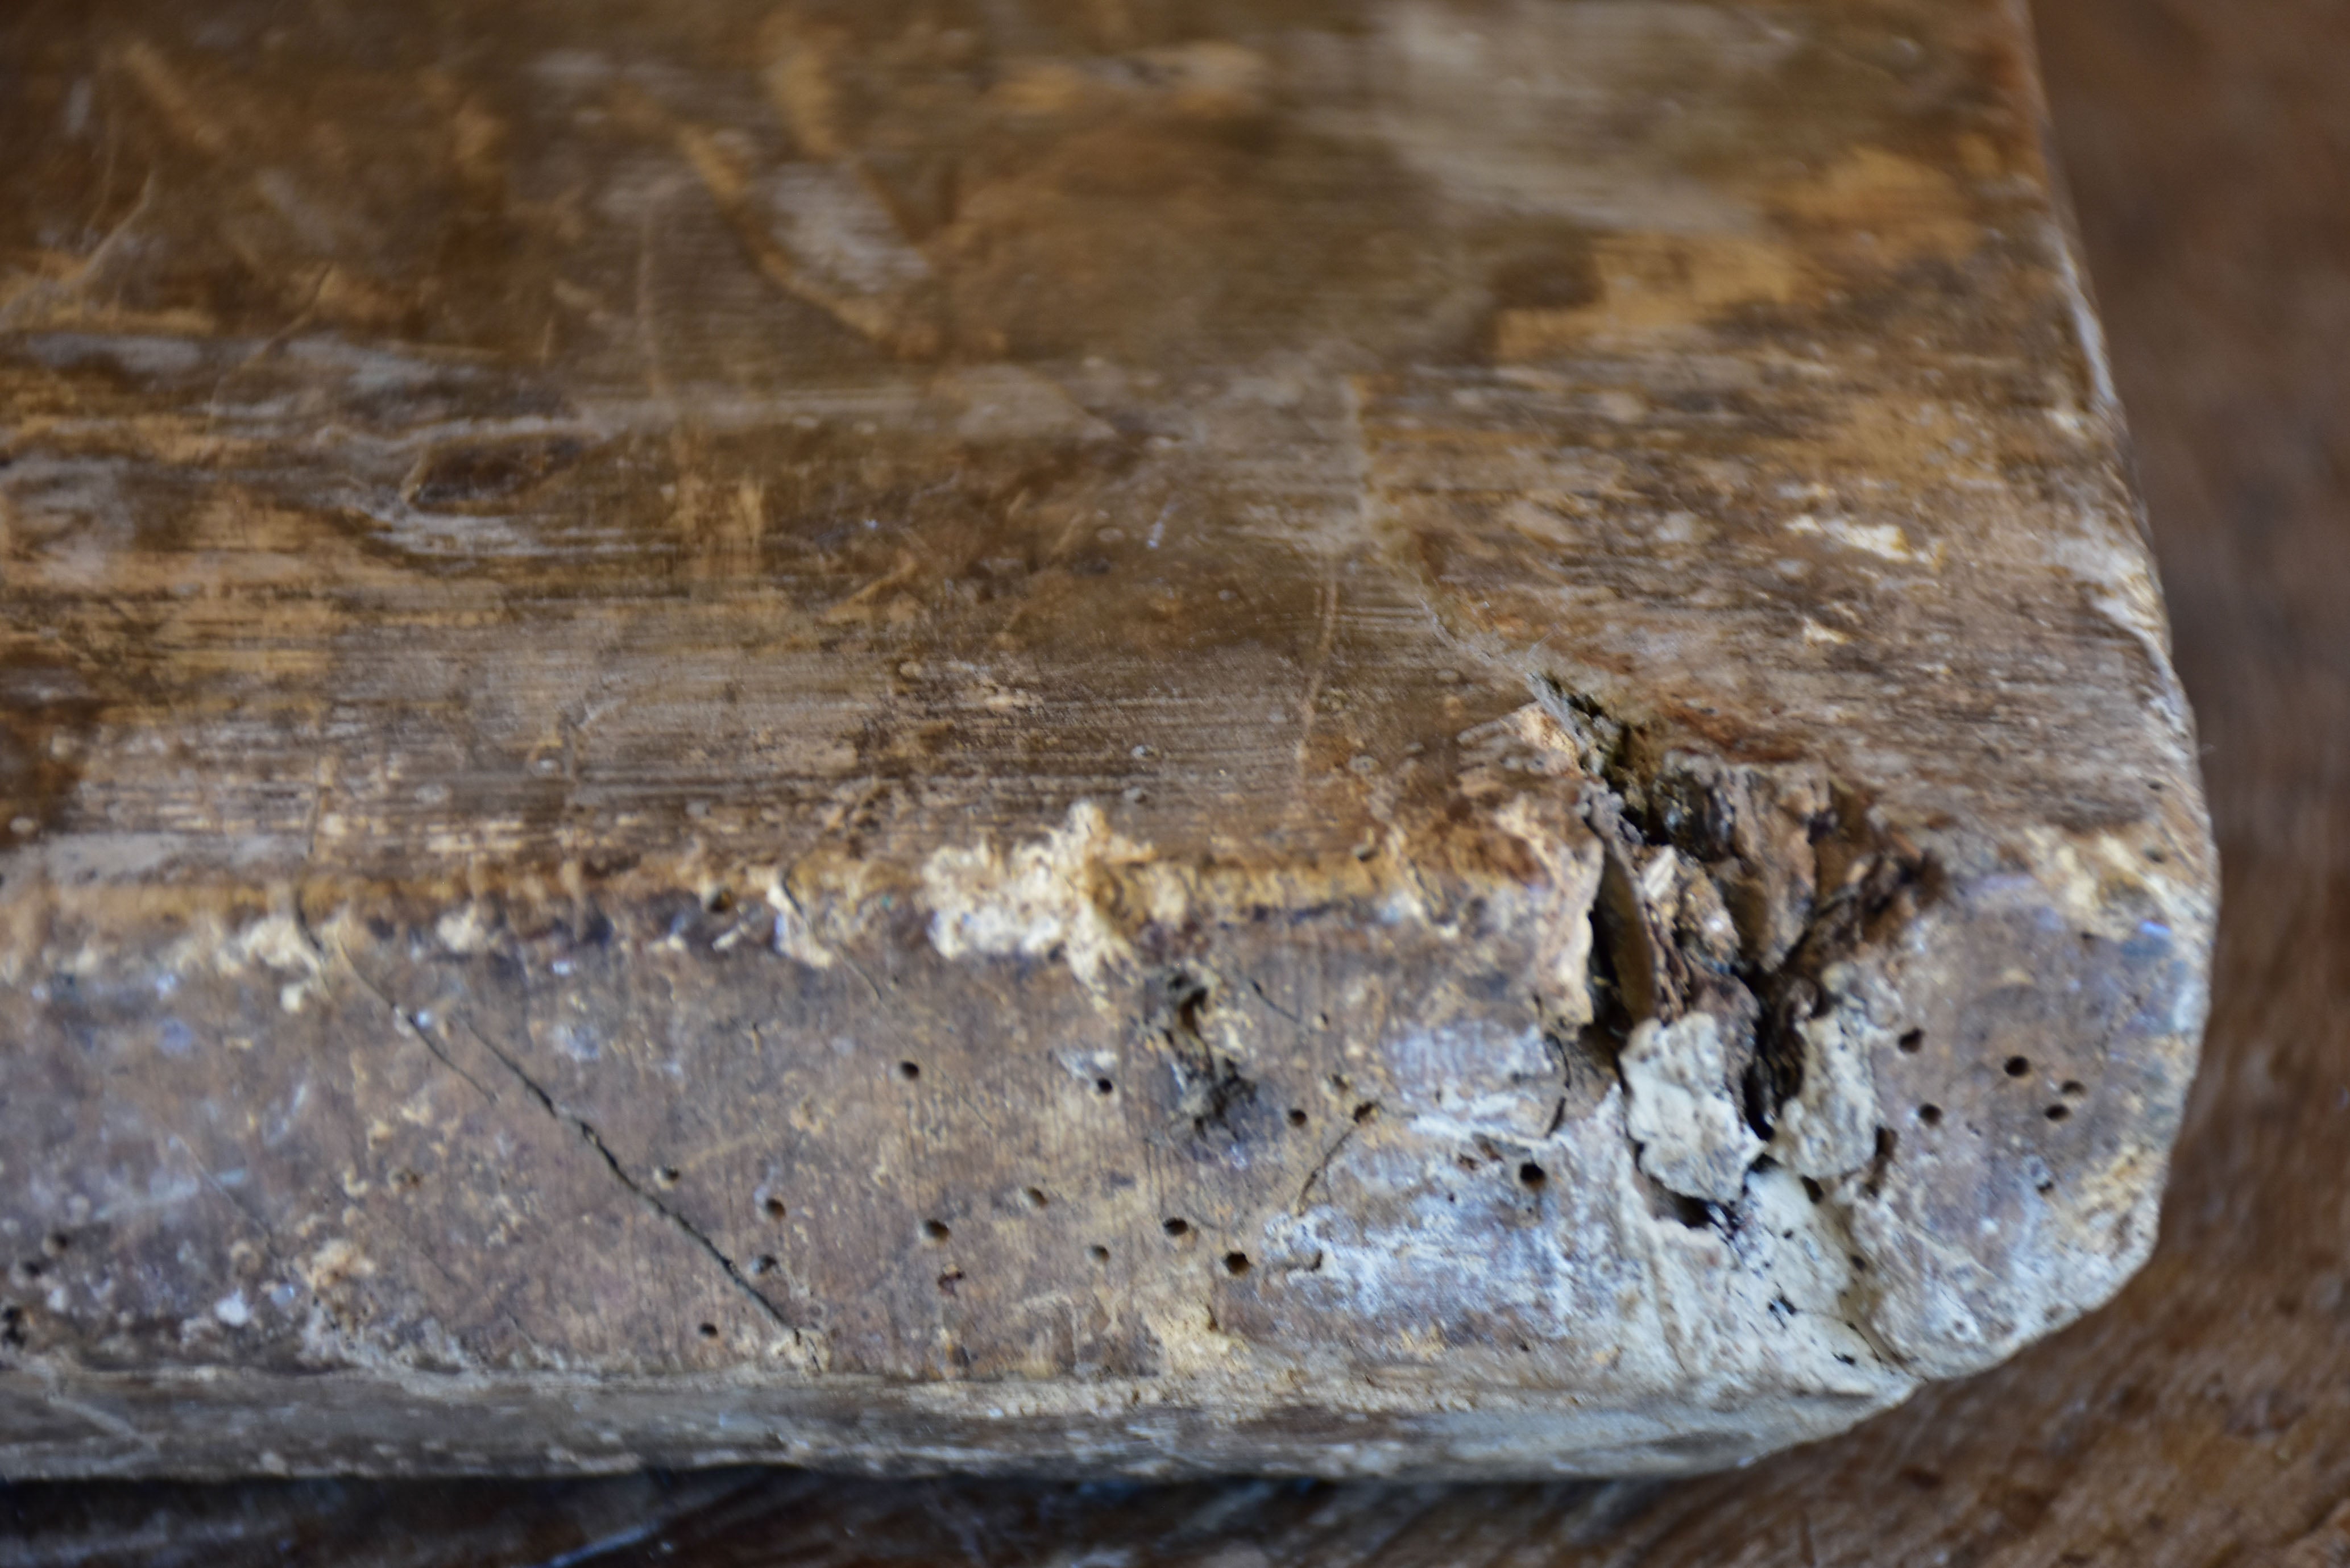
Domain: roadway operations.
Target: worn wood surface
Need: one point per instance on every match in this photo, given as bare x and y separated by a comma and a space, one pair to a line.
2203, 1419
469, 478
1415, 738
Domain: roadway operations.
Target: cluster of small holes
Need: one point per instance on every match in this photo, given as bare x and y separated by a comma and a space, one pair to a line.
2072, 1088
1235, 1263
2017, 1067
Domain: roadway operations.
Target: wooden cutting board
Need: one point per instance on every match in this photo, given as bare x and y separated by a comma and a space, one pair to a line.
1424, 739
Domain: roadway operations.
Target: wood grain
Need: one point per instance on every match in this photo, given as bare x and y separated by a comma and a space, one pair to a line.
2203, 1419
1410, 740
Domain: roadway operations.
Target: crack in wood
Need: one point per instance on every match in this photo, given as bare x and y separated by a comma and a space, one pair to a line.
595, 1140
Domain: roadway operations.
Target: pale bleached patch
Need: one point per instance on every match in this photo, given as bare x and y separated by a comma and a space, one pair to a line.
1682, 1108
1035, 900
1829, 1126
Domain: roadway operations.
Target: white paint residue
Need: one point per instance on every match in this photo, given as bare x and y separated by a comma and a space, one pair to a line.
2120, 586
277, 942
1570, 858
1885, 541
1646, 1300
463, 930
794, 939
832, 225
1458, 1082
1035, 901
1830, 1126
2085, 326
1818, 635
1681, 1109
335, 1261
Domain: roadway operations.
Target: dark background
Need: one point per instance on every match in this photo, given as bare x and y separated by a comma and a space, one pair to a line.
2204, 1418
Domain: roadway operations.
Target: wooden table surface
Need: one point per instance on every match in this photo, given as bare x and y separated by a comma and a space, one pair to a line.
2203, 1419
